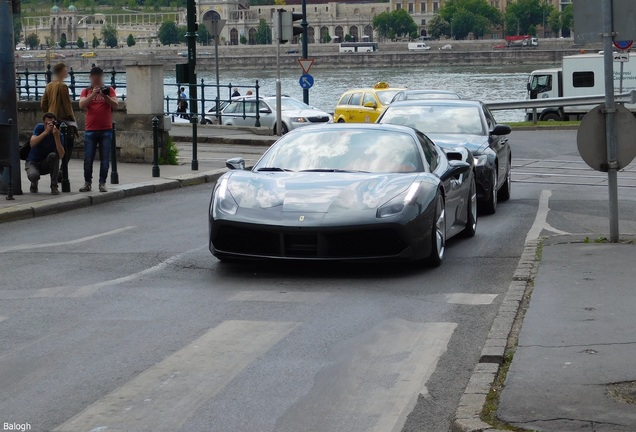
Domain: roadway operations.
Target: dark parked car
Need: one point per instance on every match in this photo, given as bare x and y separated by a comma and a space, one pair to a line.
469, 124
345, 192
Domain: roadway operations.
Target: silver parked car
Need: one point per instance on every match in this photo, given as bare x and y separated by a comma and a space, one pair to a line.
242, 112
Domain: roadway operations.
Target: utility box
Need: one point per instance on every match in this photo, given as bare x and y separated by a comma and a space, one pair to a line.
183, 73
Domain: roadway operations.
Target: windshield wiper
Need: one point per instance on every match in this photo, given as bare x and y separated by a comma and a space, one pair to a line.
274, 169
335, 170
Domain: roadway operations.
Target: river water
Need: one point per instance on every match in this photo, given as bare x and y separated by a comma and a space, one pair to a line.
487, 83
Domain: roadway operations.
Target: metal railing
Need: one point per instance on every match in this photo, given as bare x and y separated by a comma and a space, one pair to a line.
209, 109
31, 85
535, 104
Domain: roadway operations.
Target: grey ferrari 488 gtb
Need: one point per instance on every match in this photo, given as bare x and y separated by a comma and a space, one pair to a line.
345, 192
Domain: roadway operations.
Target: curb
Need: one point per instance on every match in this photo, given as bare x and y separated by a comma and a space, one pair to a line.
183, 139
468, 414
71, 202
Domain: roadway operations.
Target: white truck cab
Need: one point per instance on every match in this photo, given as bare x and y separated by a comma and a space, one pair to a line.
581, 75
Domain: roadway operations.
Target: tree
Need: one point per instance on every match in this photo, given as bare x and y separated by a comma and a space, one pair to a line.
109, 34
63, 42
438, 27
95, 42
263, 33
181, 34
396, 23
526, 13
554, 21
348, 37
280, 2
80, 42
32, 40
470, 16
204, 35
168, 33
567, 21
17, 28
243, 40
130, 41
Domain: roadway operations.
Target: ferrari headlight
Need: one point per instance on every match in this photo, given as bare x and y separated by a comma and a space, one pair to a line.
397, 204
480, 159
299, 120
224, 202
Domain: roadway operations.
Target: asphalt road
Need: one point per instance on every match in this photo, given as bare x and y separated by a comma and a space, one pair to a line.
117, 318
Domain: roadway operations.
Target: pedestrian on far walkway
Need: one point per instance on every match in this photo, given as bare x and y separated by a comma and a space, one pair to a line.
47, 148
99, 101
236, 93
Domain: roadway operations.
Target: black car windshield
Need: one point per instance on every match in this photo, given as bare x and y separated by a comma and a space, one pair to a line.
338, 150
430, 119
429, 95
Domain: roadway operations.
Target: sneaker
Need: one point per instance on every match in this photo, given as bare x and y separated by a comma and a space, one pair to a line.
102, 187
86, 187
34, 187
55, 190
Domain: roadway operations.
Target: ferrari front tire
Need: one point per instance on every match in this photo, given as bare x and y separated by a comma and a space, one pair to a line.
438, 233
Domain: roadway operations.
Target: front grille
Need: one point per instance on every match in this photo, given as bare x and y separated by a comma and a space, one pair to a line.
318, 119
309, 243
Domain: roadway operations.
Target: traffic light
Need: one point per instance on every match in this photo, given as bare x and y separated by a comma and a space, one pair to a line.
286, 28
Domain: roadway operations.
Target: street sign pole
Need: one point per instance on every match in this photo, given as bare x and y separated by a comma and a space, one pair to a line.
304, 25
610, 120
279, 110
191, 37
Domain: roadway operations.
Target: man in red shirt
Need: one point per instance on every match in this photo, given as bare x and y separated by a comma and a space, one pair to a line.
99, 101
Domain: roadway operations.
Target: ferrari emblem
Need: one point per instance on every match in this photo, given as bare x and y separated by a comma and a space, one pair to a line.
301, 218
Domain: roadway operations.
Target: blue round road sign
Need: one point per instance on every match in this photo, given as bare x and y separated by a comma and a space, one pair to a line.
306, 81
623, 45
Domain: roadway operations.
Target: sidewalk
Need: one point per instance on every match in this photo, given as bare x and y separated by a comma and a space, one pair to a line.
134, 179
182, 133
578, 337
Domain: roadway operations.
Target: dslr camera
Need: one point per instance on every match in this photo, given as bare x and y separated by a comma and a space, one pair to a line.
105, 90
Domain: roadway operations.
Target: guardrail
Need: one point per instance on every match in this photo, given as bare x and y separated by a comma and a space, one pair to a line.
534, 104
31, 85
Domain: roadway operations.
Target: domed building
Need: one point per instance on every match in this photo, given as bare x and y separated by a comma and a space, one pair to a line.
63, 22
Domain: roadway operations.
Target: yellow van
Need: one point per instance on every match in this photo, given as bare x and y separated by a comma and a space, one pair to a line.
364, 105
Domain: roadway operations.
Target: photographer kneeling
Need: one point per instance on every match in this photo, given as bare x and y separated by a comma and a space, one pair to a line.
47, 149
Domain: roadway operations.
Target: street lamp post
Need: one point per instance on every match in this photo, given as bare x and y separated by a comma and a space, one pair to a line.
191, 37
305, 47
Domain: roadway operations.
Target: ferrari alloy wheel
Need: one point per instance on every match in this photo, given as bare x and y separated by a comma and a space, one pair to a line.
506, 189
439, 233
471, 219
490, 206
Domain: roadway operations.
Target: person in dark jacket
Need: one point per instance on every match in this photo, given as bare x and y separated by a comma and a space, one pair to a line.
47, 149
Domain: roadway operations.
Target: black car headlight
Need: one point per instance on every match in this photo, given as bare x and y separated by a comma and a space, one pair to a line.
480, 159
223, 200
398, 203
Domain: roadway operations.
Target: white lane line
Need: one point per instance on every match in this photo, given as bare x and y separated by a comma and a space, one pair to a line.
374, 381
28, 246
470, 299
163, 397
279, 296
87, 290
540, 221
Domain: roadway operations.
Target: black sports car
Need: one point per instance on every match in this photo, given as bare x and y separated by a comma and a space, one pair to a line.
470, 124
345, 192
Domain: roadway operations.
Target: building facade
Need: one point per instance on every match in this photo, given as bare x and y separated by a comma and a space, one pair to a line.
422, 11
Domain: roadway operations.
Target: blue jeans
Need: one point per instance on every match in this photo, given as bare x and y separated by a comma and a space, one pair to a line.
91, 140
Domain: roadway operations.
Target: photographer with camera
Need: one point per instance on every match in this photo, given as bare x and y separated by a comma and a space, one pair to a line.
47, 149
99, 101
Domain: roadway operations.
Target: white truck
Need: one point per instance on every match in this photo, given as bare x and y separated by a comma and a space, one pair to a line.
581, 75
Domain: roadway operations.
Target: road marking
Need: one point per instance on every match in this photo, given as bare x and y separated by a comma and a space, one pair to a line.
28, 246
163, 397
279, 296
87, 290
541, 219
470, 299
374, 381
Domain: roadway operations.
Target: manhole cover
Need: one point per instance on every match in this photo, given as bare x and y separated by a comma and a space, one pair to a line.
623, 392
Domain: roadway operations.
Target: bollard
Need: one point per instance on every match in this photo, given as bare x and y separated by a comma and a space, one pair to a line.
155, 147
257, 123
534, 116
66, 184
114, 175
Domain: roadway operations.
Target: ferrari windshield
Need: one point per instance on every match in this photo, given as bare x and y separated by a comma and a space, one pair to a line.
343, 150
435, 118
